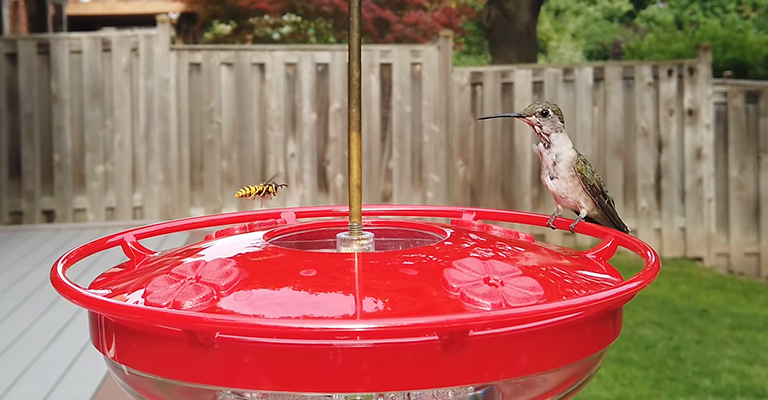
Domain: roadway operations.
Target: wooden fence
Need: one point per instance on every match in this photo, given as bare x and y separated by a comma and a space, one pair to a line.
741, 177
125, 125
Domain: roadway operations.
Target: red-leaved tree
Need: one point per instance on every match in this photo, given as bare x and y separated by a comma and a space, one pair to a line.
384, 21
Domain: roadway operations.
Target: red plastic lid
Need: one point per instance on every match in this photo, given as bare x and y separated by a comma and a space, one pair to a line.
269, 305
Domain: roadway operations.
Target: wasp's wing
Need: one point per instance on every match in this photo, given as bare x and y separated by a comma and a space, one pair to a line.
272, 177
593, 184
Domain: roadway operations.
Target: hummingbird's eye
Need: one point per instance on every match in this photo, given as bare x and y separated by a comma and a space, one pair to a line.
544, 113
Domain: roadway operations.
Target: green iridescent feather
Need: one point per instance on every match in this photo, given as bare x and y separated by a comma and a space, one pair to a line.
593, 184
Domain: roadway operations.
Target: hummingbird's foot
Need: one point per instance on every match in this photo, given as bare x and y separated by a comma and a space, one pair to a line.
551, 222
579, 217
572, 228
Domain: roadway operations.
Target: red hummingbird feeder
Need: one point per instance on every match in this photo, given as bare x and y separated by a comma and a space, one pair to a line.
298, 303
267, 308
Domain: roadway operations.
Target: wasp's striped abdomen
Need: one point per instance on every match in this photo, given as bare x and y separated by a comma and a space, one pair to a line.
261, 190
250, 191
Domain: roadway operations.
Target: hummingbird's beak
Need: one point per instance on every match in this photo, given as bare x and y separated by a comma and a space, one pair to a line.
508, 115
522, 117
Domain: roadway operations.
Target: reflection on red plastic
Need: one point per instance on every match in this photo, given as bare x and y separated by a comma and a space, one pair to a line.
496, 230
250, 227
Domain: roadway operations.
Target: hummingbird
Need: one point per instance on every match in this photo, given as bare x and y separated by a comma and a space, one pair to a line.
569, 177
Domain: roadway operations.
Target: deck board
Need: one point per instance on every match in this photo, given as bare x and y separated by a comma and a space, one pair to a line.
51, 360
45, 351
79, 377
18, 247
30, 273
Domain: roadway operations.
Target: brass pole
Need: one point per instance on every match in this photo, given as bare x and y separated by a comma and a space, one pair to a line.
355, 240
355, 121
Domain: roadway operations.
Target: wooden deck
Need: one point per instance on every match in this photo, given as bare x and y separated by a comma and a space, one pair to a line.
45, 350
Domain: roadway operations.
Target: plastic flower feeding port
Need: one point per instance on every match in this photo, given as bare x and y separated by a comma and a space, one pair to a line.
267, 308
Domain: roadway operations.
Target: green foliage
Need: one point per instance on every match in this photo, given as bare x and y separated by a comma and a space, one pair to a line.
568, 30
326, 21
577, 31
471, 44
692, 334
462, 59
738, 31
587, 30
219, 32
291, 28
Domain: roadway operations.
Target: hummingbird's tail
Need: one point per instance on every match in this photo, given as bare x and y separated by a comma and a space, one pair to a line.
611, 221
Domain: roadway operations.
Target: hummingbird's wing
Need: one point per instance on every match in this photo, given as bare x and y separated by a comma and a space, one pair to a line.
594, 186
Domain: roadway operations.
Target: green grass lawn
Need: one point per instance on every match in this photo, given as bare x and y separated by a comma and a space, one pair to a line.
693, 334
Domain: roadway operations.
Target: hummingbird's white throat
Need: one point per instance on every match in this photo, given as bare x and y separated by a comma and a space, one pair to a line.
540, 133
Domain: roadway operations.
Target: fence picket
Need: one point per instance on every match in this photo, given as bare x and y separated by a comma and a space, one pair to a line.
197, 90
230, 137
402, 168
307, 132
582, 125
460, 140
696, 139
492, 162
5, 135
183, 197
336, 147
583, 116
444, 98
146, 136
762, 130
705, 92
433, 148
172, 142
106, 86
29, 126
670, 157
93, 127
736, 126
212, 136
742, 181
647, 165
615, 146
121, 111
526, 162
162, 158
243, 130
373, 185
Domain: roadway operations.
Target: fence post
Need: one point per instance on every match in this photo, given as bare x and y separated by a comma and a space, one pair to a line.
698, 159
707, 133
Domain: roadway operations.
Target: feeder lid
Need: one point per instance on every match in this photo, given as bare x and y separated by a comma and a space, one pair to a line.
427, 271
269, 299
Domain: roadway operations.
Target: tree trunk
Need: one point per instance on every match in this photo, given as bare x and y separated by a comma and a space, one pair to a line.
3, 17
510, 27
37, 16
